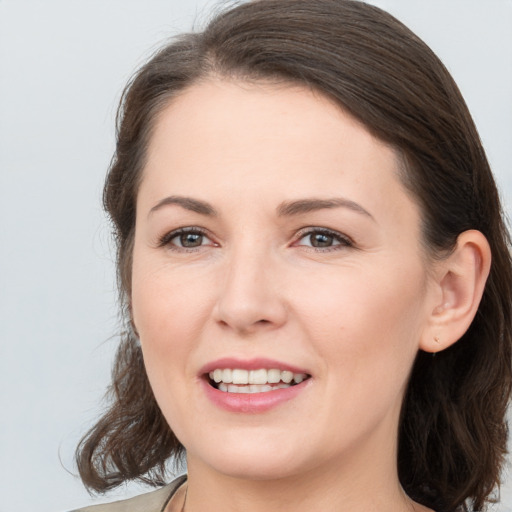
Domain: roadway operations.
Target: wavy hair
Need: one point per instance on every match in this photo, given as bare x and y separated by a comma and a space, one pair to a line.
452, 433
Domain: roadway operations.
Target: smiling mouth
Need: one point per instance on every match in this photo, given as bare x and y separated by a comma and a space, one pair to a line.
235, 380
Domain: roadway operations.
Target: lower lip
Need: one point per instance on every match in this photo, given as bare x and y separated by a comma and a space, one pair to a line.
252, 402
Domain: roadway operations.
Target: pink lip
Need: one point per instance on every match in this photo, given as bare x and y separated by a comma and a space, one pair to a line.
252, 402
249, 364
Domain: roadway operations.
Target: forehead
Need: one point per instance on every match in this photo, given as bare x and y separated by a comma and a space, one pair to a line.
223, 140
255, 112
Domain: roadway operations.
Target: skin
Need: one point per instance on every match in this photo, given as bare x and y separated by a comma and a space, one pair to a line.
353, 314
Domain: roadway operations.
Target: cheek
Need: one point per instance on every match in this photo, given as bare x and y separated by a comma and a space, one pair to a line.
366, 335
388, 297
168, 312
165, 301
366, 321
168, 316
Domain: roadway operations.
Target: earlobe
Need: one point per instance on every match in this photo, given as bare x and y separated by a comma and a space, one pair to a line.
460, 283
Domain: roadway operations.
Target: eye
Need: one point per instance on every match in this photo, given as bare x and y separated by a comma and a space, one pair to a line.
323, 239
189, 240
185, 238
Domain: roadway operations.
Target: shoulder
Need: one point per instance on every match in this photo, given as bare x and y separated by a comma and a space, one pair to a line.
154, 501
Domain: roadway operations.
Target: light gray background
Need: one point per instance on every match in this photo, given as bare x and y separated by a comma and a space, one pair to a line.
63, 64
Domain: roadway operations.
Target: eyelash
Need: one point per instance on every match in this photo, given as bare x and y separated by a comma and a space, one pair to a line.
165, 240
343, 240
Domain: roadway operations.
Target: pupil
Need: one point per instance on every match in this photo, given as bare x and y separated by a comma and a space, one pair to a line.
321, 240
191, 240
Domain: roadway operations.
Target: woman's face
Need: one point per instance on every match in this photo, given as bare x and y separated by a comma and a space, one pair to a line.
274, 235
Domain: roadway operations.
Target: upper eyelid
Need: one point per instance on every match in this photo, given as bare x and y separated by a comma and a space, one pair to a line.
168, 236
317, 229
301, 233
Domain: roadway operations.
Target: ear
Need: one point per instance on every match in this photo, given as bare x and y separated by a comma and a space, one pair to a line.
459, 284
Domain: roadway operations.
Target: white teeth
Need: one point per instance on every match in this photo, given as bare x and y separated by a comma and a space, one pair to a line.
236, 380
273, 376
222, 376
258, 376
251, 388
240, 377
257, 388
287, 377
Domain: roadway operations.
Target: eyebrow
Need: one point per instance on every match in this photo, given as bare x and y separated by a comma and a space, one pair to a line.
285, 209
301, 206
194, 205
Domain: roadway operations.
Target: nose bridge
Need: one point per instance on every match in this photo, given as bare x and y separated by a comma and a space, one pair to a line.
249, 296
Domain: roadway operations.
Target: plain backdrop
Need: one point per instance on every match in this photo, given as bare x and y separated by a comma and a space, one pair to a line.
63, 64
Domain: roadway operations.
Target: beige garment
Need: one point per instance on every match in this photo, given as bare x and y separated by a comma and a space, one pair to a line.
154, 501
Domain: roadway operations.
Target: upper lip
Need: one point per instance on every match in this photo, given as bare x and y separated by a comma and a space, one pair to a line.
250, 364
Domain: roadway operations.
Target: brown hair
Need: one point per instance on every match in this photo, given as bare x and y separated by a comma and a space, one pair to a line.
452, 436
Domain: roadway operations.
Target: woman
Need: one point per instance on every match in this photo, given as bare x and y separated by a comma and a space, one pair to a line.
305, 221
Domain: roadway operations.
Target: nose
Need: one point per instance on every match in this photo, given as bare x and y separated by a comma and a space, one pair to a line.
250, 298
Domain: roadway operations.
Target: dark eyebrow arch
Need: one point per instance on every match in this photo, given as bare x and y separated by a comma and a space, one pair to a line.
194, 205
310, 205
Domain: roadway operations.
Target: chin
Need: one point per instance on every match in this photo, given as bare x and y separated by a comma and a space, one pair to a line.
256, 460
257, 470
